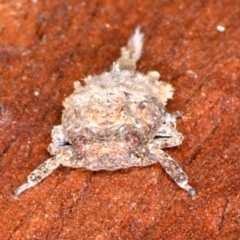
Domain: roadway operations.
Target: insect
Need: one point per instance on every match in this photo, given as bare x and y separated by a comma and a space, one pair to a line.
117, 120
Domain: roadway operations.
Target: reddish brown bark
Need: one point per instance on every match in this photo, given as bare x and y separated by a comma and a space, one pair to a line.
46, 45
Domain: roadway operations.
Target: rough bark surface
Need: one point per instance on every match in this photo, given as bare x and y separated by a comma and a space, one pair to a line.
46, 45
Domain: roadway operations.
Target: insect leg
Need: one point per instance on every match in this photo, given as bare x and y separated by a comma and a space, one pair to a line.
173, 170
39, 174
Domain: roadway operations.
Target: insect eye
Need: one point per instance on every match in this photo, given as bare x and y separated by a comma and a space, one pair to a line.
132, 141
78, 145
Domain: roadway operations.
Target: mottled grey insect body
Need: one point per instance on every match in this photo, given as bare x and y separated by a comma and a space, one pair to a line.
117, 120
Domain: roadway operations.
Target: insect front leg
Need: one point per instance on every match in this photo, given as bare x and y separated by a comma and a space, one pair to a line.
173, 170
39, 174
